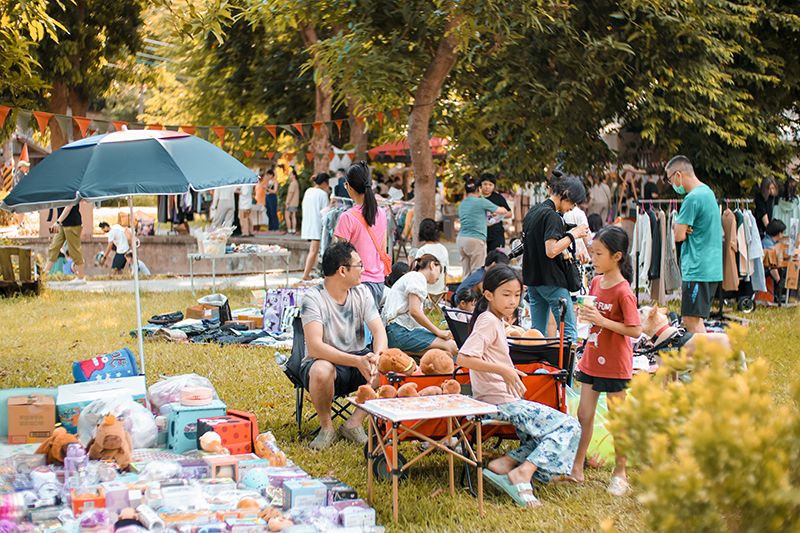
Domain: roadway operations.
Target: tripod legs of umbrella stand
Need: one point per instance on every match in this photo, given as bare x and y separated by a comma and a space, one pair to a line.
134, 246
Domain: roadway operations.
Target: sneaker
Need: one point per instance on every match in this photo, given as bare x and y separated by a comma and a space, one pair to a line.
324, 438
77, 281
356, 435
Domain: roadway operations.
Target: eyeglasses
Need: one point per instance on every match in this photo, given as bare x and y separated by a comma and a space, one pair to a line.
359, 265
669, 178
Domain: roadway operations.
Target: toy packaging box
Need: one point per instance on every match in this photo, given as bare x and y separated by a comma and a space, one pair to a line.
236, 433
72, 398
304, 493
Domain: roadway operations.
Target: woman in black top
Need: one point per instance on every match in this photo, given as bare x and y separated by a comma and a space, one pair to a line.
495, 233
765, 201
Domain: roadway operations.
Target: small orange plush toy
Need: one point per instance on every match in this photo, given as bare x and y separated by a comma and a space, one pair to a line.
365, 393
111, 441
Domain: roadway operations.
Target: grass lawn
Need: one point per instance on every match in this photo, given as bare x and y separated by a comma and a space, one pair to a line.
41, 337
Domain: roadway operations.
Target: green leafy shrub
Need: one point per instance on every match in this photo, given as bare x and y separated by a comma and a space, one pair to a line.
717, 454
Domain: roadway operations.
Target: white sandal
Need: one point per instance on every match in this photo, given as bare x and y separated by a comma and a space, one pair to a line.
618, 486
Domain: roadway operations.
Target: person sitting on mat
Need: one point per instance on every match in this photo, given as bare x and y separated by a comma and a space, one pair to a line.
548, 438
407, 327
337, 359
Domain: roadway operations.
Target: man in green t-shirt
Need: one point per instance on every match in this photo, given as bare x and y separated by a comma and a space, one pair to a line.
699, 227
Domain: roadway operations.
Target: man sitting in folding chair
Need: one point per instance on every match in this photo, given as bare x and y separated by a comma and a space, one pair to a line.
337, 359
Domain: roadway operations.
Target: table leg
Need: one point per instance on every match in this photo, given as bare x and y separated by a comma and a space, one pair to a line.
287, 270
264, 270
191, 273
395, 503
450, 459
480, 465
213, 276
370, 421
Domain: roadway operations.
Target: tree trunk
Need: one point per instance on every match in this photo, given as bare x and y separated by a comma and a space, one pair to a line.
58, 105
79, 106
320, 145
419, 121
358, 137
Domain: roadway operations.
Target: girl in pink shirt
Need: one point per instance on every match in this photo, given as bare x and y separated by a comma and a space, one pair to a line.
353, 226
548, 438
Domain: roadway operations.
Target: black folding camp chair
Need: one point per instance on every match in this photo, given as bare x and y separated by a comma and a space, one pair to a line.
340, 408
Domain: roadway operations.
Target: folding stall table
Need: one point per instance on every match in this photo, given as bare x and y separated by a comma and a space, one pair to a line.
215, 258
406, 415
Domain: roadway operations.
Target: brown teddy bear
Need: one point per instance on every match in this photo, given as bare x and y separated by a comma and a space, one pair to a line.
432, 390
407, 390
387, 391
451, 386
56, 446
365, 393
397, 361
111, 441
437, 362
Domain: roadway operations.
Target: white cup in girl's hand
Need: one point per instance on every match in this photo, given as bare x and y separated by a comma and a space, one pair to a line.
583, 302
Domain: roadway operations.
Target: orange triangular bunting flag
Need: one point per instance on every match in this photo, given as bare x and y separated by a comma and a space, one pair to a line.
273, 130
379, 116
3, 114
42, 118
318, 127
220, 131
155, 126
118, 124
309, 156
300, 129
289, 156
396, 113
23, 156
188, 129
360, 121
248, 154
83, 124
331, 156
339, 125
270, 155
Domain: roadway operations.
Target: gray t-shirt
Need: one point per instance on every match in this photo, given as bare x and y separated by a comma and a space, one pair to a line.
342, 325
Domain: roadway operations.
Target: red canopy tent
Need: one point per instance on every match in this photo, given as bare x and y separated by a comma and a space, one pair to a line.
438, 148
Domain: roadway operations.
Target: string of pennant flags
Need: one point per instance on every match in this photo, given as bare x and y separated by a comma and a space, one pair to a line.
63, 122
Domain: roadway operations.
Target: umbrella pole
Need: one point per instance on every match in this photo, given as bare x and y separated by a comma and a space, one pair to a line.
135, 265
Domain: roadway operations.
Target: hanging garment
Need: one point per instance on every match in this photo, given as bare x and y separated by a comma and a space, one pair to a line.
655, 256
672, 275
741, 247
748, 237
756, 255
658, 291
730, 272
641, 249
785, 211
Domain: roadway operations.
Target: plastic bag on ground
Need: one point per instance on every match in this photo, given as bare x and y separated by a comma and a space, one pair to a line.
169, 390
136, 419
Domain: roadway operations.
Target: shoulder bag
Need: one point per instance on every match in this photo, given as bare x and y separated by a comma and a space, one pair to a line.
387, 261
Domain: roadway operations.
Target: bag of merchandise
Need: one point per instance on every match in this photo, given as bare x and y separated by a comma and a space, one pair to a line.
136, 419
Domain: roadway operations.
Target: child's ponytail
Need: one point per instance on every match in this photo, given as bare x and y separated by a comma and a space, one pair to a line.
626, 268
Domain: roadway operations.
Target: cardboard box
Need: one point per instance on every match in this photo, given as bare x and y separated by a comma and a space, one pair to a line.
202, 311
223, 466
258, 320
31, 418
304, 493
72, 398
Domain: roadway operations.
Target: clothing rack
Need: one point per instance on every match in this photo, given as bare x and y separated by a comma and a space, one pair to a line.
720, 201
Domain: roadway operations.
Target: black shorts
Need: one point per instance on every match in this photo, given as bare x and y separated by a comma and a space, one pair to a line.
696, 298
602, 384
348, 378
119, 262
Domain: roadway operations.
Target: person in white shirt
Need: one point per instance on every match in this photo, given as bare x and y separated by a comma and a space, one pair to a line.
118, 241
245, 206
143, 270
429, 238
315, 200
600, 198
222, 207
